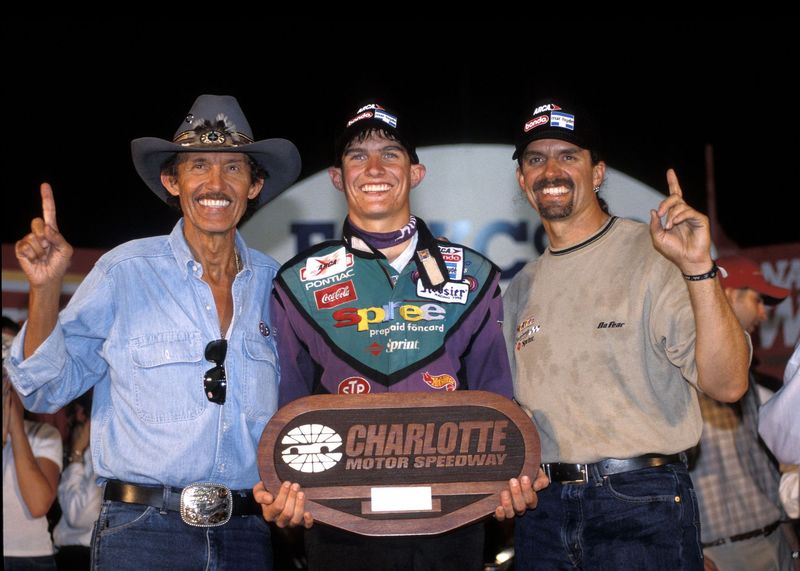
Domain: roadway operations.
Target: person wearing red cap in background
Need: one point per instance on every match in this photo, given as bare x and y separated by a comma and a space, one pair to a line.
735, 478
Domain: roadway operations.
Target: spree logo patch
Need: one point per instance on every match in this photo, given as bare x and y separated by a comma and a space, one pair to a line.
362, 318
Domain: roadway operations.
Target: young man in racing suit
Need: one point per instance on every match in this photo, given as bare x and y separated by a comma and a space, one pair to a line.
388, 308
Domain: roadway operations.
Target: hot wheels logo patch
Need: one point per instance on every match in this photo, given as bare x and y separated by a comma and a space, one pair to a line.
439, 382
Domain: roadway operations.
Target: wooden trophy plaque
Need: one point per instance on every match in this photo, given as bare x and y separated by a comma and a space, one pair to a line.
399, 463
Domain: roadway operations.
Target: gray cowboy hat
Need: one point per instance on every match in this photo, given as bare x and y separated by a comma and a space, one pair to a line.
216, 123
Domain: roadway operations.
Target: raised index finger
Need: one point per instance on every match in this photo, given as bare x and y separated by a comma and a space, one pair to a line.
672, 181
48, 206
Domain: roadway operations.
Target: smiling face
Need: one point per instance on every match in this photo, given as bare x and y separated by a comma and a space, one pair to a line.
376, 177
213, 189
558, 178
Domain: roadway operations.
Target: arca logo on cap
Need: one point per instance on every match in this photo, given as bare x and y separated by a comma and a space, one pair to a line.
369, 106
547, 107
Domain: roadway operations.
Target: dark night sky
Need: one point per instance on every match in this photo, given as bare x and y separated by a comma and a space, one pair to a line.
661, 91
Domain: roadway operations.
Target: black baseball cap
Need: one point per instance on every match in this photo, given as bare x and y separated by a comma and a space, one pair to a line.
375, 116
555, 119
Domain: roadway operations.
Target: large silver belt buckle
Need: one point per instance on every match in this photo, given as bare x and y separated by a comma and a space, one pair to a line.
206, 505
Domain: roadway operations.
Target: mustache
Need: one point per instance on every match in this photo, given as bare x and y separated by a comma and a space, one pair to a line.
559, 181
213, 196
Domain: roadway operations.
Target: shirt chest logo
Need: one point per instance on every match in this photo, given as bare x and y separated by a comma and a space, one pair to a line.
526, 329
335, 295
326, 266
451, 292
439, 382
609, 325
454, 261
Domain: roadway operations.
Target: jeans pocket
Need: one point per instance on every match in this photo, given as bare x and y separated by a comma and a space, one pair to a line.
116, 517
642, 486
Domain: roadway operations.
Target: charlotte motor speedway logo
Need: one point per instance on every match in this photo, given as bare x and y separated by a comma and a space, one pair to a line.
310, 448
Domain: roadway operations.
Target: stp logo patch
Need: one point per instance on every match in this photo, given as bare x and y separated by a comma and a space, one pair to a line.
354, 386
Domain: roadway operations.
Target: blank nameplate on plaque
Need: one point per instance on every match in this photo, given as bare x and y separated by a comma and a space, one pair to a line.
401, 499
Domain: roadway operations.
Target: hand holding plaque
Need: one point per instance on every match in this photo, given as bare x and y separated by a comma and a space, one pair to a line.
399, 464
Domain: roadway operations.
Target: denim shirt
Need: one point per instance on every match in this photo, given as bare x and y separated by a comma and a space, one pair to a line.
136, 330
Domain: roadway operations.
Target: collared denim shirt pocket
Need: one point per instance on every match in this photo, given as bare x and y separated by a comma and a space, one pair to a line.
261, 377
167, 372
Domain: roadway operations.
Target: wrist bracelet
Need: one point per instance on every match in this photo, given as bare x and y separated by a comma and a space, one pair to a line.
712, 273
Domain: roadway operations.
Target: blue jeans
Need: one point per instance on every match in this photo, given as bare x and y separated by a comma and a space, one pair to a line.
645, 519
130, 536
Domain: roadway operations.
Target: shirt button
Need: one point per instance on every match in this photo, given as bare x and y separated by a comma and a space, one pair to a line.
166, 353
208, 308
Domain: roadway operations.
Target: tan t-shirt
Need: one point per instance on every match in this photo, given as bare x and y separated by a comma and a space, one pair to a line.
601, 342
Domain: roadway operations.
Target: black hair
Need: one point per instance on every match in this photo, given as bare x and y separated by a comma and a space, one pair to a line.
9, 323
362, 136
85, 401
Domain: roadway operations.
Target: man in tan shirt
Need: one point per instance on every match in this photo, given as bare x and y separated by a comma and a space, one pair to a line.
610, 333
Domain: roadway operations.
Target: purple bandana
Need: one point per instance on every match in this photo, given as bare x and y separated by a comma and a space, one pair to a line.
382, 240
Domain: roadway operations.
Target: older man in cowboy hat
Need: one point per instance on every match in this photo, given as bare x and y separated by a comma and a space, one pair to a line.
175, 335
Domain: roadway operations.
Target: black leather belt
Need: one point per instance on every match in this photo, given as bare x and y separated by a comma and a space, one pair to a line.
166, 498
579, 473
763, 532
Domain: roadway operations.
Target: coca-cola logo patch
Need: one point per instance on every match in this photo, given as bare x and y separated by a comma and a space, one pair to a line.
335, 295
